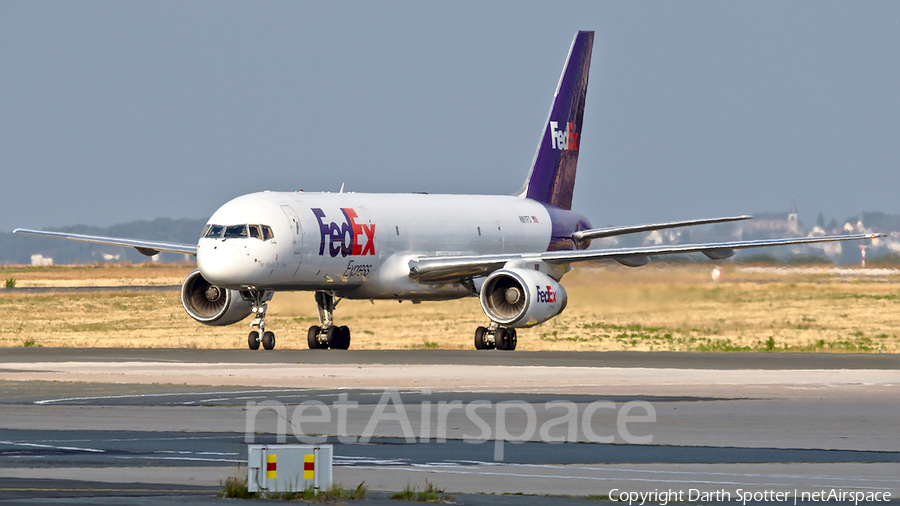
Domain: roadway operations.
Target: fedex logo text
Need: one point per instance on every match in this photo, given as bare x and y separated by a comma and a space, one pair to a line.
346, 239
546, 296
563, 139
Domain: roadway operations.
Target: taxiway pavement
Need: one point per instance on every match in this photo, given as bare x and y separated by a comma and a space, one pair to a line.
755, 422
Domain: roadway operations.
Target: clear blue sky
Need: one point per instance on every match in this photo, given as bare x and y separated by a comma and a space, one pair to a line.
116, 111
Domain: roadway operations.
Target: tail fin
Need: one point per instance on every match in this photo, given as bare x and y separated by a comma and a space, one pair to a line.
552, 176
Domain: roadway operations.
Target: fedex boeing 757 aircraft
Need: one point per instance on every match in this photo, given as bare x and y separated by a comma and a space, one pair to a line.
510, 251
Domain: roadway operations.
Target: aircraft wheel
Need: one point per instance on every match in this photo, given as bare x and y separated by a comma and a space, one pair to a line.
511, 339
312, 337
479, 338
253, 340
268, 340
333, 336
345, 337
502, 339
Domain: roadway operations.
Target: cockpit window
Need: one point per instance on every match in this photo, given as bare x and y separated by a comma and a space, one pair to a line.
261, 232
213, 231
235, 231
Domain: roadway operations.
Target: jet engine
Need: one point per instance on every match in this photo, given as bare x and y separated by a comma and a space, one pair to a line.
521, 298
210, 304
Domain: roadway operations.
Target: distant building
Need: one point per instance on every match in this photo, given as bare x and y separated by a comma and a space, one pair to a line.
658, 237
39, 260
860, 228
793, 222
774, 225
893, 242
829, 249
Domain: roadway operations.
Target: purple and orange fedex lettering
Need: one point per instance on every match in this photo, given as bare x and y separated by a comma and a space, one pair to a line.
563, 139
345, 239
350, 216
546, 296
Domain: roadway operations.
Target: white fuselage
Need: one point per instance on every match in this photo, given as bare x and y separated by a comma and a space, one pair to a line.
359, 245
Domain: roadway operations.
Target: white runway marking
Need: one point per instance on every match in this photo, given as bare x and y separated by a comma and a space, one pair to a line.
566, 472
36, 445
165, 394
195, 453
190, 459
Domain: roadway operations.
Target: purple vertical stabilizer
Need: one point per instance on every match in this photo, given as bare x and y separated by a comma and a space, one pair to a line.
552, 176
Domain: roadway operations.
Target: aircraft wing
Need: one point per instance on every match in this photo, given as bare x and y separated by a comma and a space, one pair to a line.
148, 248
598, 233
445, 269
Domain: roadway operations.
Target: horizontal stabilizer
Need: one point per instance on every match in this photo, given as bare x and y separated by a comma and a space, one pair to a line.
148, 248
599, 233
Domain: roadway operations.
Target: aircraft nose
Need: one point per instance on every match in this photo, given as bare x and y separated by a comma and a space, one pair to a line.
220, 263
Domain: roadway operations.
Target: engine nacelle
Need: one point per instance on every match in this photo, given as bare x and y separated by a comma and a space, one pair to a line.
521, 298
210, 304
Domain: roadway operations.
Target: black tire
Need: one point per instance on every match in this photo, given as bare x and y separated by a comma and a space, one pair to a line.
333, 336
345, 337
479, 338
513, 339
268, 340
312, 337
253, 340
502, 339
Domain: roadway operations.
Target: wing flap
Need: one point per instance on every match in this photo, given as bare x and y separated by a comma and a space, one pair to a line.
148, 248
450, 269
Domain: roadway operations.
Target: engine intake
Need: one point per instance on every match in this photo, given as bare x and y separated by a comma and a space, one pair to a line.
521, 298
210, 304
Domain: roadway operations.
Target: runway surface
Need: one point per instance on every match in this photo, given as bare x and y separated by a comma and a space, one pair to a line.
173, 423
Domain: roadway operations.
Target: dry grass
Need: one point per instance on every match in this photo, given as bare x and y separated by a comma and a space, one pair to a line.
97, 275
610, 308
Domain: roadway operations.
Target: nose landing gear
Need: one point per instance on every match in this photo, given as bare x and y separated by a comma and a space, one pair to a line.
259, 308
327, 334
495, 336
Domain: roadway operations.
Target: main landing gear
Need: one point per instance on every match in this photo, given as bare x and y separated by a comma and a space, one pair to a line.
495, 336
259, 309
327, 334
